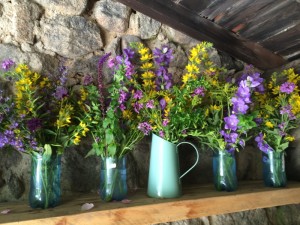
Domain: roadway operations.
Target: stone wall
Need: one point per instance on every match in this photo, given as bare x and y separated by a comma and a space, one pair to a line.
42, 33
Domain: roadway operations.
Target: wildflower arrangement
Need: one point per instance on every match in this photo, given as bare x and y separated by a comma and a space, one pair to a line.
112, 109
279, 111
39, 114
168, 110
228, 117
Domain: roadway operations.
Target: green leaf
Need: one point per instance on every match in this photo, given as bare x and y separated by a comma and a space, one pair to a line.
47, 152
109, 137
112, 148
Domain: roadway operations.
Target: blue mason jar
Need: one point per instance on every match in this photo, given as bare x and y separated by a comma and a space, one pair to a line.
224, 171
45, 189
113, 183
274, 174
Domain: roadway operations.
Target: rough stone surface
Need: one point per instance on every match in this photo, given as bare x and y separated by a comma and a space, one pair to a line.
178, 36
70, 37
111, 15
16, 186
66, 7
25, 15
37, 62
148, 27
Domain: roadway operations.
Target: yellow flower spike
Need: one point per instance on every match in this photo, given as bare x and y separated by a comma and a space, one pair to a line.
147, 66
143, 51
207, 112
146, 57
148, 75
76, 140
127, 114
269, 124
276, 90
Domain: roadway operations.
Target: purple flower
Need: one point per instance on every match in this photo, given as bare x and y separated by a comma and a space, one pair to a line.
161, 134
129, 70
282, 125
129, 53
7, 64
231, 122
150, 104
258, 120
287, 87
87, 79
162, 104
34, 124
122, 107
138, 107
138, 94
122, 96
199, 91
243, 91
163, 55
145, 127
165, 122
229, 137
287, 110
111, 62
60, 93
239, 105
261, 144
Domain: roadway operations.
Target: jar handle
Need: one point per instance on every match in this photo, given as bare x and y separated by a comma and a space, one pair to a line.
197, 157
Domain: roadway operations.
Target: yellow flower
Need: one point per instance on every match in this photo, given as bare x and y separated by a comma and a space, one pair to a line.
294, 101
207, 112
215, 107
289, 138
127, 114
146, 57
64, 116
147, 66
76, 139
148, 75
269, 124
143, 50
191, 68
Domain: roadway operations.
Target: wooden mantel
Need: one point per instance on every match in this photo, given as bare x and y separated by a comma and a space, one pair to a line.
196, 202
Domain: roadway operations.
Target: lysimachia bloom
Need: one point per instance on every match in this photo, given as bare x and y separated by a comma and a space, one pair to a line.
231, 122
287, 87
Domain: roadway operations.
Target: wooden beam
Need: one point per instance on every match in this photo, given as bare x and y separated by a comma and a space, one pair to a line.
188, 22
197, 201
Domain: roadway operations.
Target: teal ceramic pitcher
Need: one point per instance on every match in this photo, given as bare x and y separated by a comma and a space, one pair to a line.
164, 175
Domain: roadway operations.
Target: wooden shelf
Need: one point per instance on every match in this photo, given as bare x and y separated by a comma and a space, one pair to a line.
197, 201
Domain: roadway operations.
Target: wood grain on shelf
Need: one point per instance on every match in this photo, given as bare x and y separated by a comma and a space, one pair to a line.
196, 202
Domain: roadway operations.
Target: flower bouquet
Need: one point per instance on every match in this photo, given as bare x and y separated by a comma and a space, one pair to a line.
279, 113
113, 121
227, 120
39, 119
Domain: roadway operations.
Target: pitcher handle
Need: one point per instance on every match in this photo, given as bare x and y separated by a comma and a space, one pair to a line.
197, 159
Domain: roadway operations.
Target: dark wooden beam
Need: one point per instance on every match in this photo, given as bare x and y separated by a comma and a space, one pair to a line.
180, 18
